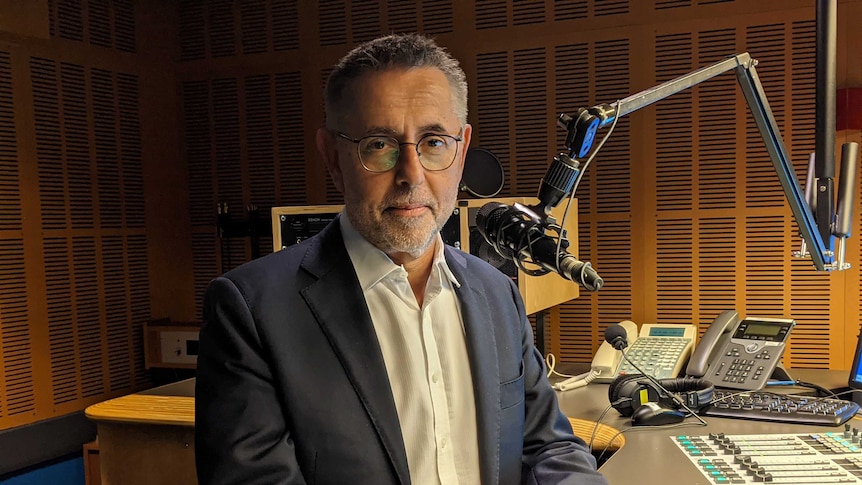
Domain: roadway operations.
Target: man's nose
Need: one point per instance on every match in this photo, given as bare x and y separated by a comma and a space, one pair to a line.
409, 169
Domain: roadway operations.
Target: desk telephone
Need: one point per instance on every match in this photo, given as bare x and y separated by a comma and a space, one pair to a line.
733, 353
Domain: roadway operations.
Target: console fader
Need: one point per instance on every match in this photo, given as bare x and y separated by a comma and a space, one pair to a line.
801, 459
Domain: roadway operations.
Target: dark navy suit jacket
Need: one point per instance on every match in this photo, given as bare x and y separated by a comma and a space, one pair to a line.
292, 388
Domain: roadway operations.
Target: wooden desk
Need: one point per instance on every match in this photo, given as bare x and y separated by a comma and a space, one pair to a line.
146, 438
649, 455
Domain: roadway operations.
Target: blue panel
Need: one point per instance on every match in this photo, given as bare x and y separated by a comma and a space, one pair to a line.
69, 472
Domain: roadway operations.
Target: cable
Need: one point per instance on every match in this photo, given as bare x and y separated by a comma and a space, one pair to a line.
601, 417
550, 361
818, 388
630, 428
578, 381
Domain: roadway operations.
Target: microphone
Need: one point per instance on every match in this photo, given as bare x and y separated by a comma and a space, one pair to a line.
516, 234
616, 336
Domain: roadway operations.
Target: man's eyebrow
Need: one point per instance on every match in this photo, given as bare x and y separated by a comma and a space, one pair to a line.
385, 130
380, 130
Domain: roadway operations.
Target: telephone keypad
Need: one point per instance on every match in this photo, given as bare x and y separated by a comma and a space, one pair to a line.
737, 370
656, 356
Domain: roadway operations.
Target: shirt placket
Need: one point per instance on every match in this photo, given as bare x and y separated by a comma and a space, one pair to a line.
439, 401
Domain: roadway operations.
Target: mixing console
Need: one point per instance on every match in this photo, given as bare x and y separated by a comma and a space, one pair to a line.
805, 459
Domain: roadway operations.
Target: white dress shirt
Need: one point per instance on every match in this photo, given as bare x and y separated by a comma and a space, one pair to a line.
425, 352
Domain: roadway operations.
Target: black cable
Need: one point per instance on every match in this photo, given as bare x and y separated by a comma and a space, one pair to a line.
818, 388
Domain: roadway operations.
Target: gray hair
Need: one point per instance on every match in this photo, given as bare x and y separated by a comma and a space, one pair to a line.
392, 52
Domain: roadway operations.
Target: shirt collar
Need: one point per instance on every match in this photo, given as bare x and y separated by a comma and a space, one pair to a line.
373, 265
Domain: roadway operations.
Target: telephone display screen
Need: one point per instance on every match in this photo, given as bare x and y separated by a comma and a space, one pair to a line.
762, 330
666, 332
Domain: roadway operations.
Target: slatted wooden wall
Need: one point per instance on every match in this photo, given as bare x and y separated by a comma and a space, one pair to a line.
681, 212
75, 267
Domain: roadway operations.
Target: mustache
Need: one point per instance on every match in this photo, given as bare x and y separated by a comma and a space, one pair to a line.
408, 198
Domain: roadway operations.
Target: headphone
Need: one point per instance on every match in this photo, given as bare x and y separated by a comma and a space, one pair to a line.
628, 392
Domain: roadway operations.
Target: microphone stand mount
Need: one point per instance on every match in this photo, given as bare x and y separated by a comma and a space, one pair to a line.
582, 128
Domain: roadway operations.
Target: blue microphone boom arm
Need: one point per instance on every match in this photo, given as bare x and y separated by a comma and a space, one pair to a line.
582, 133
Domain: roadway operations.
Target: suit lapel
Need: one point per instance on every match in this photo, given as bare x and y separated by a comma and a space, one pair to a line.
339, 305
484, 363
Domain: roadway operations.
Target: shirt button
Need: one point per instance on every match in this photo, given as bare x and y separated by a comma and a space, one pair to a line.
443, 443
435, 377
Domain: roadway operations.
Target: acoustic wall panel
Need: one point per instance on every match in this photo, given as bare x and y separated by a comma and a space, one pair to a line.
243, 139
221, 29
17, 386
259, 124
205, 266
284, 16
226, 145
93, 280
253, 26
192, 29
613, 240
674, 278
715, 268
717, 154
674, 164
102, 23
292, 182
493, 116
530, 94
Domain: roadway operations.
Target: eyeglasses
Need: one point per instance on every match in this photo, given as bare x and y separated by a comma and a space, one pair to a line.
379, 153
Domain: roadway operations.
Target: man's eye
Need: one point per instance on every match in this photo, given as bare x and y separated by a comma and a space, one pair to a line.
378, 144
434, 143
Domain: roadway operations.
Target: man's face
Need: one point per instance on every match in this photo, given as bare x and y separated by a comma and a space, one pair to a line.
399, 211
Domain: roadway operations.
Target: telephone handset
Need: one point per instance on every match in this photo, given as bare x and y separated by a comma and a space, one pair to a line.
605, 363
607, 359
711, 343
740, 354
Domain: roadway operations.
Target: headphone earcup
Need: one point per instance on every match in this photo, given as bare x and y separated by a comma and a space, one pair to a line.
621, 391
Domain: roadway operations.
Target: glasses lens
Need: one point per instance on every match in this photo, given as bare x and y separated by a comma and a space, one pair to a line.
378, 153
436, 152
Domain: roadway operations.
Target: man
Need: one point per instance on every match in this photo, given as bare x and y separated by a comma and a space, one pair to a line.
371, 353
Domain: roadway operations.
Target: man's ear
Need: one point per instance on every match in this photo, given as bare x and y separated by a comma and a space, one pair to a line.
328, 152
466, 136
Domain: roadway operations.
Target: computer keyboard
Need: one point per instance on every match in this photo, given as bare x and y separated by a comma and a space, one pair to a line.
768, 406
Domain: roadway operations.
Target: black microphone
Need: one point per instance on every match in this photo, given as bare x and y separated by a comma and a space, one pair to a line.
516, 234
616, 336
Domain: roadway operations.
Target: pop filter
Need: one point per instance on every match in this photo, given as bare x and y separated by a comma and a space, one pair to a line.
483, 174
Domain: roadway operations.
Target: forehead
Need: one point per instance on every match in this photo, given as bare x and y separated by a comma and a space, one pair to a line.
401, 99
